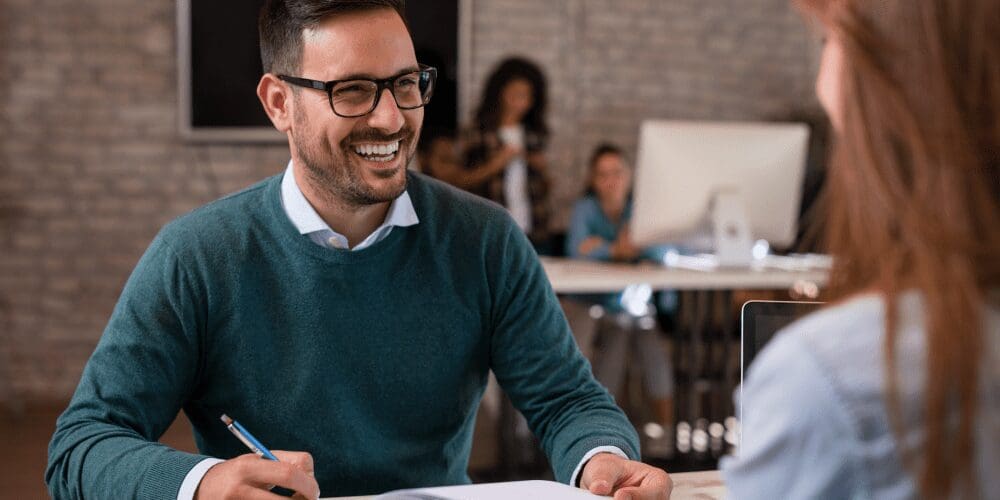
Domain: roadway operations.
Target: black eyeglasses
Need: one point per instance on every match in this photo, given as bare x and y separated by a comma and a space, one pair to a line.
359, 96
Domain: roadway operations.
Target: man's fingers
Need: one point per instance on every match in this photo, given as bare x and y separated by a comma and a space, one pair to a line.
654, 484
251, 477
600, 487
251, 493
607, 474
601, 474
300, 459
627, 494
641, 493
265, 473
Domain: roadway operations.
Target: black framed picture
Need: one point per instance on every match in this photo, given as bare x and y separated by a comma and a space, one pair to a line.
219, 66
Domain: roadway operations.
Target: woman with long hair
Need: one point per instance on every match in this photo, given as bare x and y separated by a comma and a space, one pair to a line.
893, 391
505, 148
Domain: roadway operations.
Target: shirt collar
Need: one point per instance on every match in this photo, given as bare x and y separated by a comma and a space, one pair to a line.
304, 217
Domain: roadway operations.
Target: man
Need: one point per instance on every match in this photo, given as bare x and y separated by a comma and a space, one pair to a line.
348, 310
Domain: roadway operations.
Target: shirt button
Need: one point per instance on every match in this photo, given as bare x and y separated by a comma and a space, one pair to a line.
335, 243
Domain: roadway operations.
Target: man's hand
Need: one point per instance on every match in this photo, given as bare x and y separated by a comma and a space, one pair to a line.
607, 474
249, 476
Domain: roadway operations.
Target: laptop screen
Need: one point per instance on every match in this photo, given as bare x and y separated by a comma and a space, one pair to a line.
760, 321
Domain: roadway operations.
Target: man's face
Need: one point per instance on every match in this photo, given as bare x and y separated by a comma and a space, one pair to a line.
355, 161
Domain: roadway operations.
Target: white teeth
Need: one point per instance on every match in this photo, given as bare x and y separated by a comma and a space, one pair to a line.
377, 149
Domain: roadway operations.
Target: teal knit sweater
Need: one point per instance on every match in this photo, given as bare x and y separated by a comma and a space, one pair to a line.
373, 361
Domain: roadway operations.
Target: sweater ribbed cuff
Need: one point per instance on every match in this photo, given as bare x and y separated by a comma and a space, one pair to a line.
580, 449
164, 479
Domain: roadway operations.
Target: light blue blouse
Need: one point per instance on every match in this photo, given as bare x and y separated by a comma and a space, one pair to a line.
815, 419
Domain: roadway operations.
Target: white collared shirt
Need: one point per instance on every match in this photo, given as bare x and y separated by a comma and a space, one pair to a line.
309, 223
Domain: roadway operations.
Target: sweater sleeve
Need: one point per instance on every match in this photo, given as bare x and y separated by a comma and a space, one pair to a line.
538, 364
132, 388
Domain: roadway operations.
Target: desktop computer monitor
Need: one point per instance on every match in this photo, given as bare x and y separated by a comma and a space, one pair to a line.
732, 182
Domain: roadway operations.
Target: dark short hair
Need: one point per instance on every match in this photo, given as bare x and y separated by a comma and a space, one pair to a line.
282, 22
604, 148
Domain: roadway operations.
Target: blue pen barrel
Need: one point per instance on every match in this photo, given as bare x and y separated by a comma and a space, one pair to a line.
258, 448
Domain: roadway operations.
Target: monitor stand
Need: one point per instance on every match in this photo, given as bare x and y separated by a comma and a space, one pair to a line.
733, 247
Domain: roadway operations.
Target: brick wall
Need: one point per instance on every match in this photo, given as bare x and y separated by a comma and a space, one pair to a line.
91, 165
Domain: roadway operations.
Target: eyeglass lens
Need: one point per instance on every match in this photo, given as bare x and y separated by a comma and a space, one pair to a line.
357, 97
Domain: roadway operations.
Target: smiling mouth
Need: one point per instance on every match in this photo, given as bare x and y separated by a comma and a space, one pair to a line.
379, 153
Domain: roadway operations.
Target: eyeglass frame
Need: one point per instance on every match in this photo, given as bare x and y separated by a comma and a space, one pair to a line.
380, 86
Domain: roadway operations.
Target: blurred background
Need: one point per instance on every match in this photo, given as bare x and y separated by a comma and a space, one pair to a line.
99, 146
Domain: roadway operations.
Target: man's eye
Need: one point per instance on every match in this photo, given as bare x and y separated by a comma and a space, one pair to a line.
347, 89
406, 81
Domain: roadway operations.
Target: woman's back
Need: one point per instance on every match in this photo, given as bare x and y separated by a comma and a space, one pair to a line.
816, 423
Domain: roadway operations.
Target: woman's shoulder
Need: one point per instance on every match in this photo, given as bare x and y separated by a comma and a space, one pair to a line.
857, 320
840, 347
840, 337
824, 375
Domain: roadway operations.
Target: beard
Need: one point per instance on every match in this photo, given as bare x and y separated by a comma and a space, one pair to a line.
336, 172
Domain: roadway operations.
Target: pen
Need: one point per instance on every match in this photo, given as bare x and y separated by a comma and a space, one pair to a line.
247, 438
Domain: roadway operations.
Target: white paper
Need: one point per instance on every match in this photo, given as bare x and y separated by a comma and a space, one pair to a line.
521, 490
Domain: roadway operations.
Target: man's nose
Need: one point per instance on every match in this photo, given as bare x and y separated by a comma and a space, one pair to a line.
386, 116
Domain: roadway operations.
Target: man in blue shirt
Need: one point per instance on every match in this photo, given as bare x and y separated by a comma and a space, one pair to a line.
349, 309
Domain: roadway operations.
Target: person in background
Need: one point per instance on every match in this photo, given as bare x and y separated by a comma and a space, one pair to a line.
504, 156
599, 225
893, 391
599, 231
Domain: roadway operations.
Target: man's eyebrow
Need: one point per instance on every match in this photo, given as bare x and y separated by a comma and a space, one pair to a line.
369, 76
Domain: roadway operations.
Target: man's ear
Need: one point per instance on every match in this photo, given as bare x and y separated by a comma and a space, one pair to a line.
276, 97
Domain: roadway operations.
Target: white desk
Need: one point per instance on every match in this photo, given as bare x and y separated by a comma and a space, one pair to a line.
706, 485
581, 276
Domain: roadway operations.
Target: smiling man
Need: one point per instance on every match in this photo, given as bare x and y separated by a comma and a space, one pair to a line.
347, 311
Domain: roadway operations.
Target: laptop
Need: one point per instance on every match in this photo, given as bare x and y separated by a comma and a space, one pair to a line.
759, 321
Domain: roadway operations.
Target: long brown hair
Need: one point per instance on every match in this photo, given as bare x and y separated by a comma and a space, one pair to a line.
510, 69
912, 197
